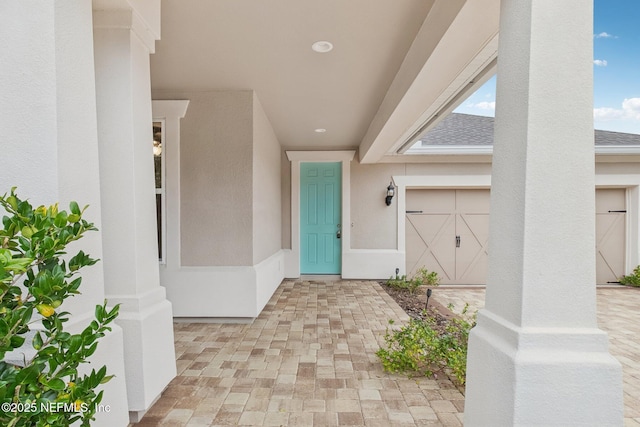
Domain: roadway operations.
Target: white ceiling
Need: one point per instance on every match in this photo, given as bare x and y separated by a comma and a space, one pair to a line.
352, 91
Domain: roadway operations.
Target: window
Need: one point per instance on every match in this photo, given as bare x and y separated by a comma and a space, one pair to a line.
159, 167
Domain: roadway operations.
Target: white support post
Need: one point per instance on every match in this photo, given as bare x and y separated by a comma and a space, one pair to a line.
123, 40
536, 356
50, 148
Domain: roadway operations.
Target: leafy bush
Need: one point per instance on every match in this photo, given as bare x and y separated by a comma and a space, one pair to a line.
45, 389
421, 278
632, 279
423, 347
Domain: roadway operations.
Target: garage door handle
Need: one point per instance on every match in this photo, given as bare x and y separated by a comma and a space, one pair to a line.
457, 241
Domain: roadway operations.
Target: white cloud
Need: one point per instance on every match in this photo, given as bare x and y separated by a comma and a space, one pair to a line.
630, 110
485, 105
606, 113
600, 62
604, 35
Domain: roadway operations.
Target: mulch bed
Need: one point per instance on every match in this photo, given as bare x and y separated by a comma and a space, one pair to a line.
414, 304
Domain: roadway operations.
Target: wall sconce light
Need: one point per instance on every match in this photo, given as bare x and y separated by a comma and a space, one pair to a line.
391, 191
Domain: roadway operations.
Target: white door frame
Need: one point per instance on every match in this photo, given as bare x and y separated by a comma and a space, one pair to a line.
292, 260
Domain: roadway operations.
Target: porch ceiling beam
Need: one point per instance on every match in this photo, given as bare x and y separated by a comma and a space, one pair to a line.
457, 42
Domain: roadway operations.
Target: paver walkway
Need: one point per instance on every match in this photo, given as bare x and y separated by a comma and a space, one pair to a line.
309, 359
618, 315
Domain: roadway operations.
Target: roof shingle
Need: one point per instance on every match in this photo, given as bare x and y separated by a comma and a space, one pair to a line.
467, 129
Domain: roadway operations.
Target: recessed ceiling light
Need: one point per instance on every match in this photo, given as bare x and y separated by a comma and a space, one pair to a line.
320, 130
322, 46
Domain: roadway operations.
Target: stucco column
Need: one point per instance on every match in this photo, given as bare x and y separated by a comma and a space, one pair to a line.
123, 38
536, 356
50, 147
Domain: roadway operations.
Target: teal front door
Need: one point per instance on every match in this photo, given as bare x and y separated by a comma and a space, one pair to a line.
320, 212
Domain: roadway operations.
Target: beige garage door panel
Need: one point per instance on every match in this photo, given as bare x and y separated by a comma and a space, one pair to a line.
610, 234
472, 201
472, 254
428, 236
447, 232
436, 217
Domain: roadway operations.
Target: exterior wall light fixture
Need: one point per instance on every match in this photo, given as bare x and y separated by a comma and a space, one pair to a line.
391, 191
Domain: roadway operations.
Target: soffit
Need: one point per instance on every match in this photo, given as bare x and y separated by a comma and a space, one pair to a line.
265, 46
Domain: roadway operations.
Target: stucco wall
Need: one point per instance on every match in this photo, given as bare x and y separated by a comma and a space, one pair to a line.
267, 210
374, 223
617, 169
216, 143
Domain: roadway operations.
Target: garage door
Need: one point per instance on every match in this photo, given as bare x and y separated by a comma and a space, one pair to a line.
447, 231
610, 234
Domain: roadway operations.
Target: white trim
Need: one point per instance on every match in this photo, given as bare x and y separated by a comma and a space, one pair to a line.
617, 149
466, 150
321, 156
633, 229
203, 292
170, 112
126, 19
457, 150
441, 181
162, 190
372, 264
297, 157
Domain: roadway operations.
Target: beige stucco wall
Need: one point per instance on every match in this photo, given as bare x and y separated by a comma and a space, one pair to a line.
230, 172
617, 168
216, 143
373, 223
267, 211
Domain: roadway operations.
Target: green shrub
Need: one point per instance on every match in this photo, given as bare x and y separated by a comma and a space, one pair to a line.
423, 347
632, 279
45, 389
423, 277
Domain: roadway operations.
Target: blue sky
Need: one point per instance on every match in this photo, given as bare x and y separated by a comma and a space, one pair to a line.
616, 73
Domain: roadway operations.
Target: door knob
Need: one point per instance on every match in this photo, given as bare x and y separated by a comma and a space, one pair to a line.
339, 234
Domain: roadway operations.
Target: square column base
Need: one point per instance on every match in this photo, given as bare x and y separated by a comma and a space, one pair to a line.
113, 408
147, 323
540, 376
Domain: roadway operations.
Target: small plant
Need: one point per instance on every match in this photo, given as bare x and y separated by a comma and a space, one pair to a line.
45, 389
633, 279
421, 278
426, 277
423, 347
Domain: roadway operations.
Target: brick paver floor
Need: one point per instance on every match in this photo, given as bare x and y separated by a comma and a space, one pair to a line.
618, 315
309, 359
